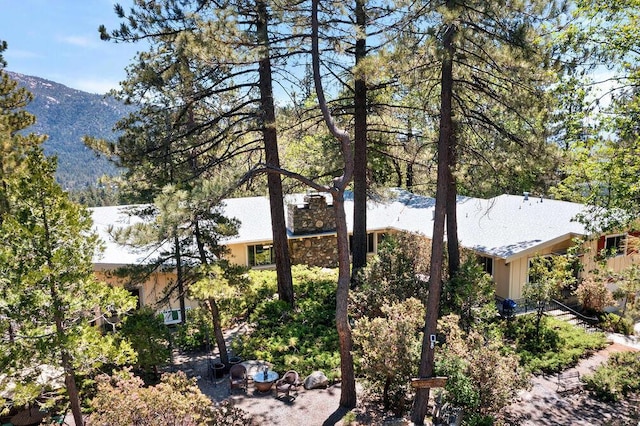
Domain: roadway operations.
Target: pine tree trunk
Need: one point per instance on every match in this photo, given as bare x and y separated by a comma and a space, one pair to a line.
453, 247
180, 279
419, 409
348, 390
276, 201
217, 331
348, 393
72, 391
359, 247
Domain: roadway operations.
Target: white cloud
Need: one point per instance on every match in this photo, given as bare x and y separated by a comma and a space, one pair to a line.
80, 41
99, 86
22, 54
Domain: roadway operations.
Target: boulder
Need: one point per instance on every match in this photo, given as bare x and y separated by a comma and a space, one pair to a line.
316, 380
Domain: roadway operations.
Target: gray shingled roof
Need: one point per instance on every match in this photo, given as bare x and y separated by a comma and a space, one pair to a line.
506, 226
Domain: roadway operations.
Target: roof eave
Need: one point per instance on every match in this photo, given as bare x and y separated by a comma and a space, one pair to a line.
539, 247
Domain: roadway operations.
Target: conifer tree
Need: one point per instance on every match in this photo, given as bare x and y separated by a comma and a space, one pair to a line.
603, 169
51, 295
50, 299
13, 119
494, 70
228, 101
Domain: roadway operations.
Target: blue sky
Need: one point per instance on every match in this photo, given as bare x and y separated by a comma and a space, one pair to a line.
58, 40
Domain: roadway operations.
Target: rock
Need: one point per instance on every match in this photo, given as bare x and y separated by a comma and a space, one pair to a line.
316, 380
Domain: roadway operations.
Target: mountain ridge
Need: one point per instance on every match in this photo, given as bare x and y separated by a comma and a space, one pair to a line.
66, 115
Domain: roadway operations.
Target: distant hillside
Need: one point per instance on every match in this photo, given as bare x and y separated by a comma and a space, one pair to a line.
66, 115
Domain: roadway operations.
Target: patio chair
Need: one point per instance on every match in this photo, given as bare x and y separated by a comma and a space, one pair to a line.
238, 377
289, 381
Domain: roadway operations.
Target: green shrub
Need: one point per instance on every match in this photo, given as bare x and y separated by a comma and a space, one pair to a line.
393, 275
560, 344
616, 324
304, 339
479, 420
196, 333
482, 378
389, 351
149, 337
617, 378
469, 294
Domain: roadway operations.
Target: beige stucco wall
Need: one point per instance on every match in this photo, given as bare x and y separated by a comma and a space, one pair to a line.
151, 291
501, 271
238, 253
519, 268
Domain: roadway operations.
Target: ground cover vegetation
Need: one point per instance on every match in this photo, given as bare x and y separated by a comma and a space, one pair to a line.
618, 378
552, 346
303, 339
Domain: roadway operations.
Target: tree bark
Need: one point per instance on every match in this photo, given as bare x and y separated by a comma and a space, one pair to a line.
419, 409
180, 278
217, 330
213, 306
348, 389
72, 390
274, 180
453, 246
359, 247
347, 374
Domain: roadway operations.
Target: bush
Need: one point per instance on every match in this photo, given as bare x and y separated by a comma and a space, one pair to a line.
196, 333
393, 275
389, 350
469, 294
304, 339
560, 345
482, 378
149, 337
617, 378
616, 324
593, 294
122, 400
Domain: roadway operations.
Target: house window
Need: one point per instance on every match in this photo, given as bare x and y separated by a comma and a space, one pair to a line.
173, 316
486, 263
370, 246
261, 255
614, 245
135, 292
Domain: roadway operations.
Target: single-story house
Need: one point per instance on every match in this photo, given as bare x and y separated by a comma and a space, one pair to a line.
506, 232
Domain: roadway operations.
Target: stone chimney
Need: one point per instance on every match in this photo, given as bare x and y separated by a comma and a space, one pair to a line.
312, 217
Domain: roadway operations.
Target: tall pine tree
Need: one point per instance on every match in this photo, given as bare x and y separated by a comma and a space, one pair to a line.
50, 299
